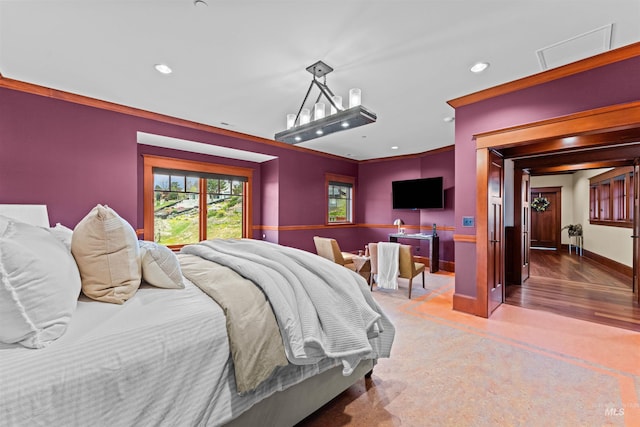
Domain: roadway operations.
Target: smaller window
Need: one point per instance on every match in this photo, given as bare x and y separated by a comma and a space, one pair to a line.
611, 198
594, 210
340, 199
605, 196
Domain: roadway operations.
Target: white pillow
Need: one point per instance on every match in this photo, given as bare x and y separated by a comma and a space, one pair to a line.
39, 285
160, 266
63, 234
106, 250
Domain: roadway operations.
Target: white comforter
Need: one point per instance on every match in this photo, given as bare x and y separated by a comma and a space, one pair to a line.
323, 310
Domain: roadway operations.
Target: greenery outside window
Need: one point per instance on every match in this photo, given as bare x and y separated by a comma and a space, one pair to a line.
186, 202
340, 199
611, 198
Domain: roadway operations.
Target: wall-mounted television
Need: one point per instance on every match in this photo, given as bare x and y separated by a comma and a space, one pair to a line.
423, 193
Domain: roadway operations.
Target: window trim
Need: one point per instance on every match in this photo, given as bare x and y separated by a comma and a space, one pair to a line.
340, 179
151, 162
606, 180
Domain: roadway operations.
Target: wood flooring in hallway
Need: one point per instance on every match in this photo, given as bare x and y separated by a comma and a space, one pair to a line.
577, 287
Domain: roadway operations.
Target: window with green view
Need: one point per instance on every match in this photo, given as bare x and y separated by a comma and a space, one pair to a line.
340, 197
190, 207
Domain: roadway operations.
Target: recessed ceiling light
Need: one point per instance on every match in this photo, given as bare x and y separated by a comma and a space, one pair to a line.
345, 124
163, 68
200, 3
449, 119
479, 67
395, 147
319, 132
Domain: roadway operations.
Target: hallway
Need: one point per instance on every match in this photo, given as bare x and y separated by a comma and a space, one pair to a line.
577, 287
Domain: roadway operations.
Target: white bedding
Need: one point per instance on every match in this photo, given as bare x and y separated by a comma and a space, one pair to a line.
162, 358
323, 310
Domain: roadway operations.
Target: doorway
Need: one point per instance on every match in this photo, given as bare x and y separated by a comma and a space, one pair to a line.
605, 137
566, 283
546, 214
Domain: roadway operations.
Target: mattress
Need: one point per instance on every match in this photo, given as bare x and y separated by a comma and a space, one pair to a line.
162, 358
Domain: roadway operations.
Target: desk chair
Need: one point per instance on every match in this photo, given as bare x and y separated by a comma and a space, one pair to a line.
408, 268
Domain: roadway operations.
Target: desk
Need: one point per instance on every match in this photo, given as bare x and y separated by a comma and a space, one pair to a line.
434, 247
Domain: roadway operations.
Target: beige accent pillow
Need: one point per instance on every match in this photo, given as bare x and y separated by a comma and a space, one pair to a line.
106, 250
160, 266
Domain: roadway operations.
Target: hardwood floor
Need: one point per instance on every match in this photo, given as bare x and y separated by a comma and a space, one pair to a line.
577, 287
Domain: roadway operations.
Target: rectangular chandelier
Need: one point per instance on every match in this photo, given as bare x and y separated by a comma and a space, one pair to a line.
303, 127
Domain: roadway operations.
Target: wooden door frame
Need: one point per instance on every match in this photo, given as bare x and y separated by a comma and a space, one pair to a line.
636, 228
521, 202
560, 134
498, 249
558, 211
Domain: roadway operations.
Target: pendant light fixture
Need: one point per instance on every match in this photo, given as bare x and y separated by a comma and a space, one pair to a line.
306, 125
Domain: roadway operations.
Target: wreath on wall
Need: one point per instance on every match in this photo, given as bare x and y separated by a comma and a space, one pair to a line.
540, 204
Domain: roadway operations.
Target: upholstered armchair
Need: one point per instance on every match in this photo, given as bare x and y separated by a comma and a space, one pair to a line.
408, 269
328, 248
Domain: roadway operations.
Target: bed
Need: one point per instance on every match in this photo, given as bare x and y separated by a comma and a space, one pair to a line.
164, 357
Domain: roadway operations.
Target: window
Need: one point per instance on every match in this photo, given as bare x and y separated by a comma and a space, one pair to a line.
186, 202
604, 194
594, 210
340, 199
620, 201
611, 198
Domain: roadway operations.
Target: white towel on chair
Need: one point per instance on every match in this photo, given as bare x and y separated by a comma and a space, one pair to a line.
388, 265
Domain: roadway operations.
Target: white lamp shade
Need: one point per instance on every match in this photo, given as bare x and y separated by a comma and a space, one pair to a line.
337, 99
305, 116
291, 120
355, 97
318, 111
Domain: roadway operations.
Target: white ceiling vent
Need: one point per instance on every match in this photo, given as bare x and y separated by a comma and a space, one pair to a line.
576, 48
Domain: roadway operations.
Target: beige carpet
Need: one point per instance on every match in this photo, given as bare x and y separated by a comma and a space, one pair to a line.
518, 368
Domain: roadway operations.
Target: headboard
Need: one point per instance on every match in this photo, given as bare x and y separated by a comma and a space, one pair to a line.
31, 214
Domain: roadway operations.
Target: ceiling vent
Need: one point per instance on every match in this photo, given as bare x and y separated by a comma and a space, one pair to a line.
576, 48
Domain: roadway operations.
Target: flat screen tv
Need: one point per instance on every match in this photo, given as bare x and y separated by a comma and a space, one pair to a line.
423, 193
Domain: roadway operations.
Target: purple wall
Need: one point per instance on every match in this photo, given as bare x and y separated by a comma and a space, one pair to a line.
270, 199
608, 85
374, 200
72, 157
67, 156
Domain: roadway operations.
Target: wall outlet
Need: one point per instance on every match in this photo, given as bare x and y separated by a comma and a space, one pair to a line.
467, 221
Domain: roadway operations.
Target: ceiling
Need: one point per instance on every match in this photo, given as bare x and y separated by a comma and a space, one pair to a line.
240, 64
